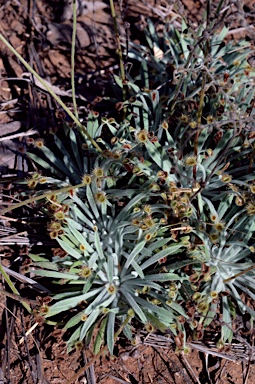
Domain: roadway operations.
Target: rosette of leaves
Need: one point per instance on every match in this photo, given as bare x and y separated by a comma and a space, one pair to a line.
225, 251
69, 155
116, 260
185, 55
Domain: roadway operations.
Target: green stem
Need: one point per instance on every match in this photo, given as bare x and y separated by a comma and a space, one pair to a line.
122, 69
12, 287
115, 24
73, 59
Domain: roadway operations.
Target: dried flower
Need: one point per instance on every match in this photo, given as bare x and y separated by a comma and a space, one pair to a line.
213, 218
252, 188
98, 172
162, 174
149, 327
250, 208
190, 161
111, 289
209, 119
219, 226
31, 183
184, 118
148, 237
84, 317
100, 197
82, 248
226, 178
55, 226
79, 345
53, 235
59, 215
193, 124
86, 180
43, 180
142, 136
39, 143
149, 222
203, 307
214, 295
164, 125
214, 236
239, 201
85, 272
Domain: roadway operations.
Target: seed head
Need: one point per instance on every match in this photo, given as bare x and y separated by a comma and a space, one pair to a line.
98, 172
173, 287
148, 237
82, 248
154, 187
209, 119
193, 124
149, 222
84, 317
203, 306
116, 156
39, 143
219, 226
31, 184
239, 201
252, 188
142, 136
85, 272
226, 178
172, 294
214, 295
214, 236
213, 218
114, 140
100, 197
54, 235
55, 226
165, 125
59, 215
190, 161
86, 180
44, 309
220, 345
196, 296
111, 289
78, 345
250, 209
131, 313
149, 327
43, 180
162, 174
184, 118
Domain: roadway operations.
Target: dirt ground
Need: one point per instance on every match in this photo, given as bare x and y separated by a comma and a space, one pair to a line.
30, 351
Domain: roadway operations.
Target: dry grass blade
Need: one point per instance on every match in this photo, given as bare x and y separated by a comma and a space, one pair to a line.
238, 351
17, 135
190, 369
17, 238
90, 372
